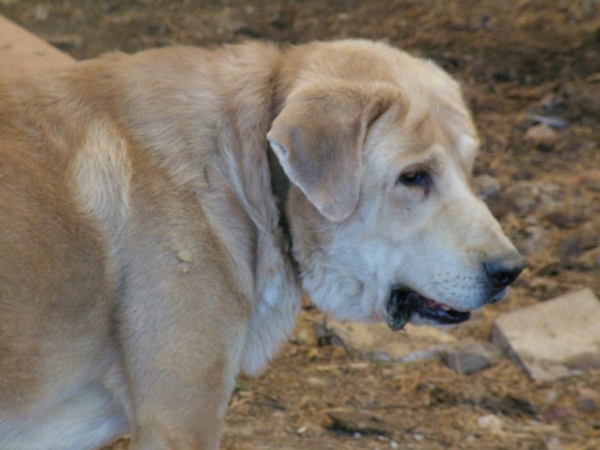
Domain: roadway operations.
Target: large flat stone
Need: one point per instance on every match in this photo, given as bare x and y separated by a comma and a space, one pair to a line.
22, 53
555, 338
378, 342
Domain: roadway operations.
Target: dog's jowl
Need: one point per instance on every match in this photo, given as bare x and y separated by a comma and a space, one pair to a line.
161, 212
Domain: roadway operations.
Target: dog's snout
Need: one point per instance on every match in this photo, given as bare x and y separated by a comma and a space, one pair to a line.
503, 271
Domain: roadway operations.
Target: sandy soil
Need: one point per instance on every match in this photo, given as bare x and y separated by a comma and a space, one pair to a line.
516, 59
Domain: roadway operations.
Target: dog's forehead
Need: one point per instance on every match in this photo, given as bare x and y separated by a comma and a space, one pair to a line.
425, 135
432, 118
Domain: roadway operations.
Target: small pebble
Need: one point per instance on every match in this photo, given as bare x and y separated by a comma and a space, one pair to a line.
490, 422
553, 444
314, 381
41, 13
542, 135
588, 401
472, 356
486, 186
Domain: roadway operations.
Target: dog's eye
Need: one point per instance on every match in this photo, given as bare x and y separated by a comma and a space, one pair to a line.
416, 178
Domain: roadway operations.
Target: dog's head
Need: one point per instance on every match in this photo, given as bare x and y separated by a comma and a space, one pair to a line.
379, 148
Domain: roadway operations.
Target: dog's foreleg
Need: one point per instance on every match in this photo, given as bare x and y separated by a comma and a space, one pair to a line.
182, 335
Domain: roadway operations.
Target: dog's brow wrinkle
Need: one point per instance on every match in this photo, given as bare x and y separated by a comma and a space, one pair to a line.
419, 121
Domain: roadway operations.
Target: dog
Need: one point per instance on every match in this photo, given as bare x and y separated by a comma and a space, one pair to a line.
162, 212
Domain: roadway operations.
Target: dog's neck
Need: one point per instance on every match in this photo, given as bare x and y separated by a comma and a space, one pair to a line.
280, 186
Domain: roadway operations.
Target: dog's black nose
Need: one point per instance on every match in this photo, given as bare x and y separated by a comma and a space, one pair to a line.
503, 271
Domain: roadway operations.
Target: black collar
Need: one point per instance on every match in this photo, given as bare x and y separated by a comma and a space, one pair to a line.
280, 186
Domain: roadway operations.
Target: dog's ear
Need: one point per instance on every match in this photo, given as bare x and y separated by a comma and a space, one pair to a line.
318, 138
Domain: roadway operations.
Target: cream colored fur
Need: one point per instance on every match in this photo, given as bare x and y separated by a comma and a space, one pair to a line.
142, 262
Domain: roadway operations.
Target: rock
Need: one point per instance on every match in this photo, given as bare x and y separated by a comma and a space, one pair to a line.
528, 196
553, 443
360, 422
314, 381
553, 339
41, 13
490, 422
542, 135
471, 356
378, 342
418, 437
523, 196
486, 186
588, 401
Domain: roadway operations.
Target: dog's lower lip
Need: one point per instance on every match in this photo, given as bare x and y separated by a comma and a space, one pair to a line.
404, 302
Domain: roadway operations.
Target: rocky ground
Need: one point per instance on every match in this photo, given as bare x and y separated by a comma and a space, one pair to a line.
531, 73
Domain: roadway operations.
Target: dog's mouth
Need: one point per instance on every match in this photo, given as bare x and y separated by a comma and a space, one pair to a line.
404, 302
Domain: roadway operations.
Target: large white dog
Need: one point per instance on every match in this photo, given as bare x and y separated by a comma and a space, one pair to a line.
160, 213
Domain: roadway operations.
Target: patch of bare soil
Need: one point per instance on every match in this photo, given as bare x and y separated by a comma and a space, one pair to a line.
523, 63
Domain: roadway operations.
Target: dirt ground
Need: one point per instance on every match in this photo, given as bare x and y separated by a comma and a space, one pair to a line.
517, 60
